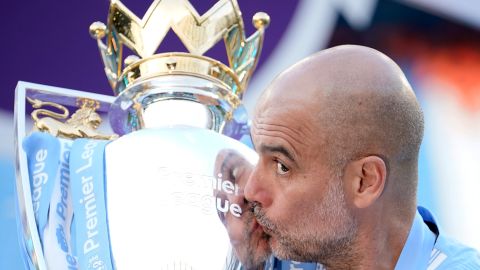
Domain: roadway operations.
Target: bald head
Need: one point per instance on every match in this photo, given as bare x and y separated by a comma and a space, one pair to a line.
358, 102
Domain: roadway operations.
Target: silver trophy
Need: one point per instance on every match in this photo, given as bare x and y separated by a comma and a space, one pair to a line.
161, 186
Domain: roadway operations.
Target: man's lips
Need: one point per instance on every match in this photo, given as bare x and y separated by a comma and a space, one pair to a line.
265, 230
257, 221
258, 230
256, 226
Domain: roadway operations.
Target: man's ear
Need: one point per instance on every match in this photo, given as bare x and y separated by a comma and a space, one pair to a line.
367, 178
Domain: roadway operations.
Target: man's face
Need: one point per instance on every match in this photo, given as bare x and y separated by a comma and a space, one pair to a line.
299, 198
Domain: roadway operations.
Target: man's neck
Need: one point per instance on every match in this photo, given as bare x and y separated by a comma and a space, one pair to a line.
379, 243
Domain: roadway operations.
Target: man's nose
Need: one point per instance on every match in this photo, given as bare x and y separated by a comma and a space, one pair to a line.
256, 188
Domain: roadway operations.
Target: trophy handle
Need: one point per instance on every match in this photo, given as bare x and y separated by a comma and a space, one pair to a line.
63, 98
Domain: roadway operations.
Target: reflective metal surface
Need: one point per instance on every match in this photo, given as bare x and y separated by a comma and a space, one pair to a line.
175, 200
165, 100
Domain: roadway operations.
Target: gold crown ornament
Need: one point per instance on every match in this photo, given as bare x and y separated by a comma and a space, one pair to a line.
198, 33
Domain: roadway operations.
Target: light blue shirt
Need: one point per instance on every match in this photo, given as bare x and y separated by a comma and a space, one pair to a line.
425, 248
418, 249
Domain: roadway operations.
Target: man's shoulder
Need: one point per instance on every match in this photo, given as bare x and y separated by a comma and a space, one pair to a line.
451, 254
448, 253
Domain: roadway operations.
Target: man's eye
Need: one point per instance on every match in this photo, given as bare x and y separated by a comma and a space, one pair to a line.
282, 169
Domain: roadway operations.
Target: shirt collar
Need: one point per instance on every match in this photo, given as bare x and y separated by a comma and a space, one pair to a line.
418, 247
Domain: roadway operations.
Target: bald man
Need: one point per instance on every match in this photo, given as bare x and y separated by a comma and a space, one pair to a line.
338, 136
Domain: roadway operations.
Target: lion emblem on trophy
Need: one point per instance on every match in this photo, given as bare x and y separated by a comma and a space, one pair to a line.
82, 124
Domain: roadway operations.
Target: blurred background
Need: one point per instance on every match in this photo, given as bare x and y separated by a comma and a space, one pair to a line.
436, 43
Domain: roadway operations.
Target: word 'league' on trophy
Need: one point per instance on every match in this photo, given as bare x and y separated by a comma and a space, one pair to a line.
161, 185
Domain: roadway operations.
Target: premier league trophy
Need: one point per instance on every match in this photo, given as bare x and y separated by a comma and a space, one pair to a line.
161, 186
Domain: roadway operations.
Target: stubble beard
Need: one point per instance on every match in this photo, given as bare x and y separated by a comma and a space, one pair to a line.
333, 246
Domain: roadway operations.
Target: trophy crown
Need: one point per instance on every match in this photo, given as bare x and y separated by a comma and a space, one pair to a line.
197, 32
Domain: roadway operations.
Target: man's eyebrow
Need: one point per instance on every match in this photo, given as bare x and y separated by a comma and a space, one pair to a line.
276, 149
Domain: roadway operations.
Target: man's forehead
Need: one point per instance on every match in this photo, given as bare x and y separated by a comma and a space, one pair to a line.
274, 113
284, 123
291, 94
282, 109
